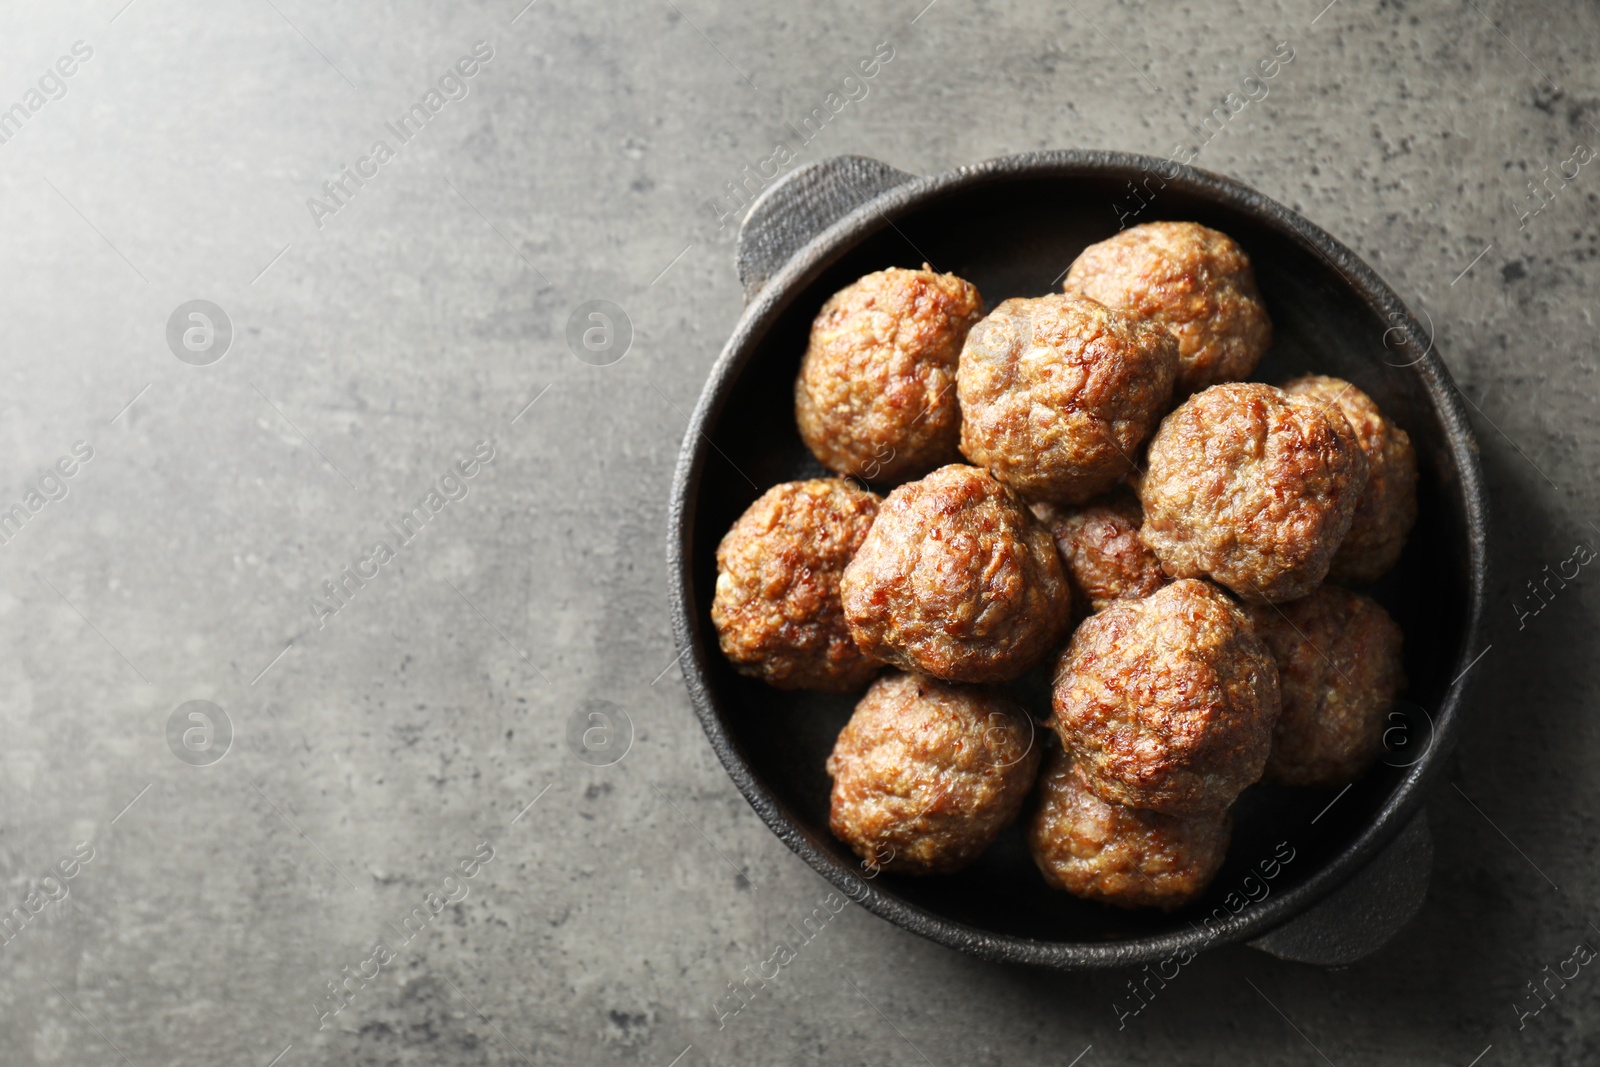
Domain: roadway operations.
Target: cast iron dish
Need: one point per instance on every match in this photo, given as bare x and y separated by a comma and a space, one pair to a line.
1317, 875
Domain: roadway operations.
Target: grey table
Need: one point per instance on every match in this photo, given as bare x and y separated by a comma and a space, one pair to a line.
397, 811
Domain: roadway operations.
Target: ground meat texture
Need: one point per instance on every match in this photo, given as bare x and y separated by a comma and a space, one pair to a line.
1169, 701
926, 774
776, 608
876, 393
956, 579
1252, 487
1191, 280
1057, 394
1101, 551
1120, 855
1388, 505
1339, 669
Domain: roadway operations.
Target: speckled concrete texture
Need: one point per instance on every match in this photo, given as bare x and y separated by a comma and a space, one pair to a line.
401, 858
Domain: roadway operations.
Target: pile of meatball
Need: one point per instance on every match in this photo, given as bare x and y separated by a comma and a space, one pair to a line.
1081, 483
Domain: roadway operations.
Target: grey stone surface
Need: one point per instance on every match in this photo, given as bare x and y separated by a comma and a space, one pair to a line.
369, 354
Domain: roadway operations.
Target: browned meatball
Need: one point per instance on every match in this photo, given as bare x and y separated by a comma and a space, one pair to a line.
1121, 855
1253, 487
926, 774
1339, 669
1100, 548
776, 608
1192, 280
876, 393
1388, 505
1168, 701
1057, 393
956, 579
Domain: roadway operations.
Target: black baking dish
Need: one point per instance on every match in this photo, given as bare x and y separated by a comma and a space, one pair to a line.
1317, 875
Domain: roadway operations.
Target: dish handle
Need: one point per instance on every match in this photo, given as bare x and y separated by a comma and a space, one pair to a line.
800, 205
1366, 912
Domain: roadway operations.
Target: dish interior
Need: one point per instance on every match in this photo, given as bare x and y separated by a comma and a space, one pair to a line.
1014, 236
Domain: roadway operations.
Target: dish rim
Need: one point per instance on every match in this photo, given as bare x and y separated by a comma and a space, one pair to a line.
797, 273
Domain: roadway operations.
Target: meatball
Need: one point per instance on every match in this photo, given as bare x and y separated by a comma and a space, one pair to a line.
1191, 280
1388, 505
776, 608
926, 774
1169, 701
876, 393
1101, 551
1252, 487
1339, 669
1121, 855
956, 579
1057, 393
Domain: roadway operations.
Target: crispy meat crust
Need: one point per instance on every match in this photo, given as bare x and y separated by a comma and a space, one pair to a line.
1058, 393
1168, 702
957, 580
876, 393
1339, 670
1100, 548
1191, 280
777, 609
1120, 855
1253, 488
1388, 506
926, 774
